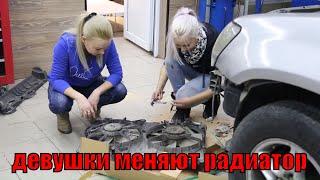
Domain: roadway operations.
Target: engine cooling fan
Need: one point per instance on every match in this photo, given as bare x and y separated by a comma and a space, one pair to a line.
120, 134
177, 138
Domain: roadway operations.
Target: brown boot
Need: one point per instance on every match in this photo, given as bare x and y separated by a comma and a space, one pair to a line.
64, 124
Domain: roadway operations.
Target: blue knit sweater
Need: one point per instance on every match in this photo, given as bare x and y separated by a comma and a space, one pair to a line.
67, 70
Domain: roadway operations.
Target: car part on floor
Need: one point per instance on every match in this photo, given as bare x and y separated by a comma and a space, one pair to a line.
177, 138
139, 136
223, 130
22, 91
120, 134
3, 90
153, 102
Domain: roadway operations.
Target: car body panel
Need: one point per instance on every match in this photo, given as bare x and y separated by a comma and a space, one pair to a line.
282, 47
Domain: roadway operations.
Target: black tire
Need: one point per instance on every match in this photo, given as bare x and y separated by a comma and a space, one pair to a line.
289, 120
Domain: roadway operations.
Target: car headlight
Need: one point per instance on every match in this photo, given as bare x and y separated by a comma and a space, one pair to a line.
225, 37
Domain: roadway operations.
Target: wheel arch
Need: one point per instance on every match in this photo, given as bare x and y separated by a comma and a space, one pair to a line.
258, 93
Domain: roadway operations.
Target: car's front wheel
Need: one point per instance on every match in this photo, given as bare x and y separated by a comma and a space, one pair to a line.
281, 127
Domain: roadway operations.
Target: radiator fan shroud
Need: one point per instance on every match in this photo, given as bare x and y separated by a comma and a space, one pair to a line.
120, 134
177, 138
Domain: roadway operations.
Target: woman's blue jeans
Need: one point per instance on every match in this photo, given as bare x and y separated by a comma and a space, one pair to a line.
60, 103
178, 73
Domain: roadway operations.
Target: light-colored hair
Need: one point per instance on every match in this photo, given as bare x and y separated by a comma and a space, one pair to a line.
97, 26
185, 25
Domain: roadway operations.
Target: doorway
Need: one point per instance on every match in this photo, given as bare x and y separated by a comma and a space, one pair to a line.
112, 9
142, 22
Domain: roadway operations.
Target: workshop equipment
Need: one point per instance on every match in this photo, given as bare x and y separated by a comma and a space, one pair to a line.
221, 12
26, 89
6, 60
294, 3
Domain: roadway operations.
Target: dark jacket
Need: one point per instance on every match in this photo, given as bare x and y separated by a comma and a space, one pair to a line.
204, 64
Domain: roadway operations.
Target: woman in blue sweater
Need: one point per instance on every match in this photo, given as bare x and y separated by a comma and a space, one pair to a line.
78, 59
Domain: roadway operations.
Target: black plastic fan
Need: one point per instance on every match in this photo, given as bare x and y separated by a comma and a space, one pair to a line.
177, 138
120, 134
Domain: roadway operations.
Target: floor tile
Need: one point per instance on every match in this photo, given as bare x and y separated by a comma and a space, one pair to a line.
63, 175
67, 142
4, 164
7, 175
43, 145
19, 133
64, 142
17, 117
38, 113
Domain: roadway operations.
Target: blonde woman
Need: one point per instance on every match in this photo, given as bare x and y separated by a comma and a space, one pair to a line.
78, 59
189, 46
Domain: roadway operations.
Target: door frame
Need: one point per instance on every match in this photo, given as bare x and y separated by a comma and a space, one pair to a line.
160, 28
137, 40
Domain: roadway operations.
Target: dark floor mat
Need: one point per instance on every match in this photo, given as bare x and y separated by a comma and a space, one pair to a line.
26, 89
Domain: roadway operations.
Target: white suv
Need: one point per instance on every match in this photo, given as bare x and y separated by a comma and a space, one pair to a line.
270, 69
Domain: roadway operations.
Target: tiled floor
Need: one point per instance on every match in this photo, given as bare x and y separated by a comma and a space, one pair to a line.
33, 127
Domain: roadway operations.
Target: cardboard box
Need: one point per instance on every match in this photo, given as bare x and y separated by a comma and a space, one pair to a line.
207, 176
212, 144
92, 146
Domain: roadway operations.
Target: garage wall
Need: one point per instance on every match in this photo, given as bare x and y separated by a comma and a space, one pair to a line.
168, 10
36, 26
269, 5
174, 5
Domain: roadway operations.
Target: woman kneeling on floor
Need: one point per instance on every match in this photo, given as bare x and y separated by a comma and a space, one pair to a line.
78, 59
189, 47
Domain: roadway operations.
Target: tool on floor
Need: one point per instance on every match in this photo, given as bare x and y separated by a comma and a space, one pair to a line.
26, 89
157, 101
223, 130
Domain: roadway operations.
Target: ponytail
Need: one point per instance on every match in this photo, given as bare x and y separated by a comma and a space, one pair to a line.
91, 26
79, 43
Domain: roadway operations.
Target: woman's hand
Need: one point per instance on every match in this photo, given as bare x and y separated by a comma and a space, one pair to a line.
85, 107
188, 102
163, 78
183, 103
157, 95
94, 99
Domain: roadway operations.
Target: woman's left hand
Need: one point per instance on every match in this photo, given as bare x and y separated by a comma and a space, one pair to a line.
188, 102
183, 103
94, 99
